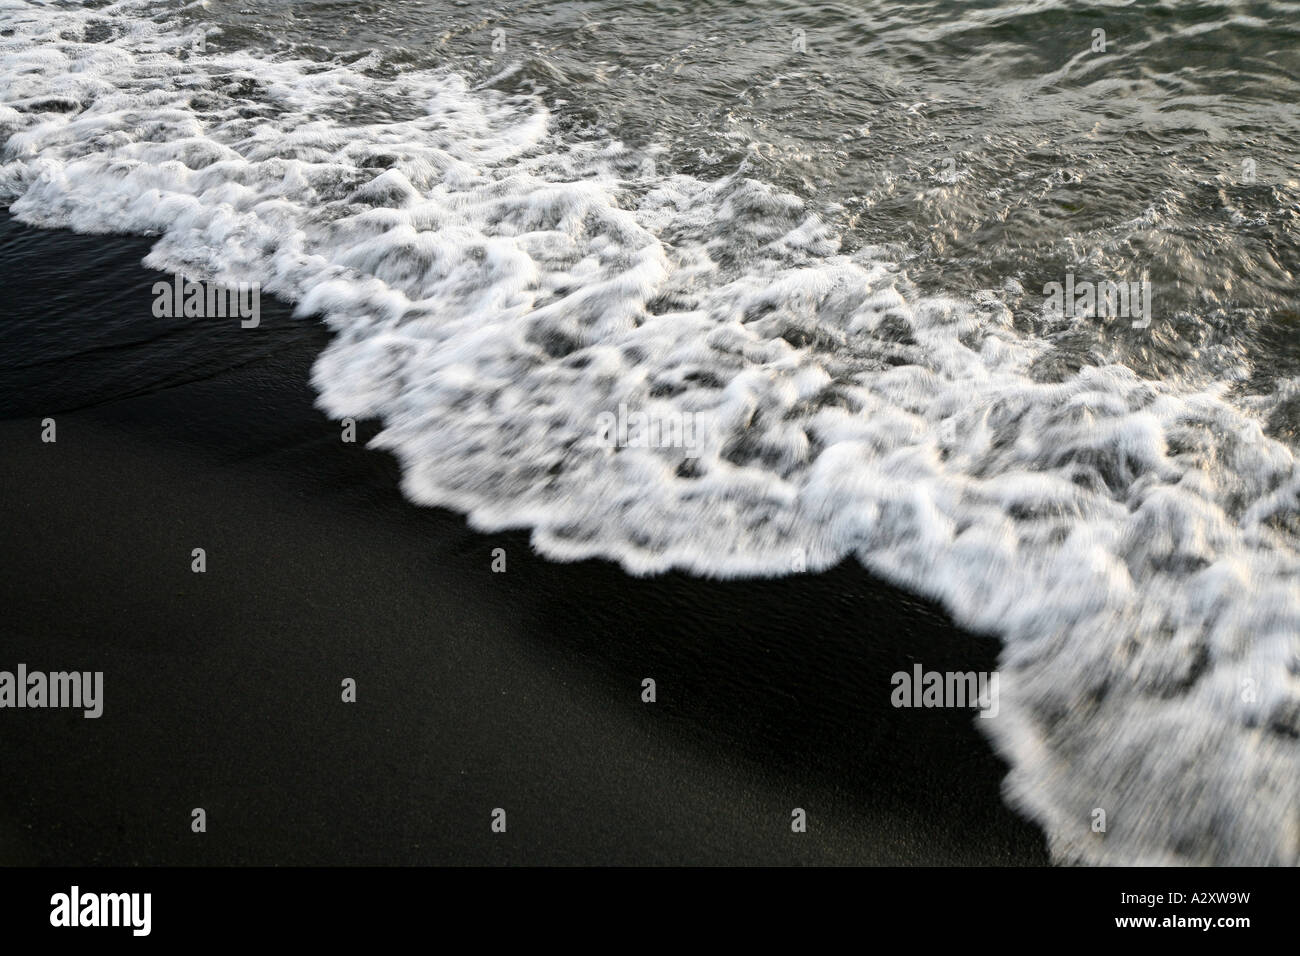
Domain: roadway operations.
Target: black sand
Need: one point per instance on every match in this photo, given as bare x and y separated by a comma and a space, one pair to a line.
475, 690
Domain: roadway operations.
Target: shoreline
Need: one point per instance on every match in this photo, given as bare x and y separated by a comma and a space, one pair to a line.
475, 690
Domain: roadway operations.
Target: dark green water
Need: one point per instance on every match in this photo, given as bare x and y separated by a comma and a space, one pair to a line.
974, 140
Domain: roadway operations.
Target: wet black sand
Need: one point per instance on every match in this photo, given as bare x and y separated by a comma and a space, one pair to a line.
476, 690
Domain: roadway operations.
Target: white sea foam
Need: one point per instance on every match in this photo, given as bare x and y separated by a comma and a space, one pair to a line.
493, 290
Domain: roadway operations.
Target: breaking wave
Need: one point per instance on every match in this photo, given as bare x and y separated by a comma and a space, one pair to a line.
493, 289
